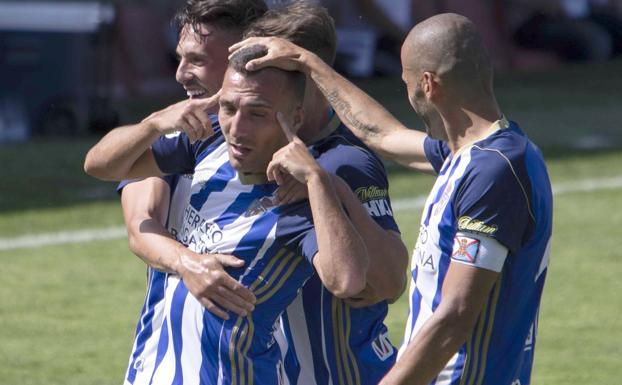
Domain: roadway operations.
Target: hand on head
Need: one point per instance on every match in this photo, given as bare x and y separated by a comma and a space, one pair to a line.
281, 54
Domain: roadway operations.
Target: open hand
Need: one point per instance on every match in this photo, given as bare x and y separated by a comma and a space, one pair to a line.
205, 277
281, 54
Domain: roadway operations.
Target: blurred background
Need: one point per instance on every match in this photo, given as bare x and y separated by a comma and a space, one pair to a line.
72, 70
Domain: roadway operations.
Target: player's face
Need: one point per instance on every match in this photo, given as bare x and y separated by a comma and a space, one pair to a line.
203, 59
247, 116
413, 79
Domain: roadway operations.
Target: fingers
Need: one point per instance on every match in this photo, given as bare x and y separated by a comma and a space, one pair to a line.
291, 191
194, 128
213, 308
275, 173
234, 304
287, 129
245, 43
229, 260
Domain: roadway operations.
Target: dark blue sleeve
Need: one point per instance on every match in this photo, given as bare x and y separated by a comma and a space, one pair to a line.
174, 154
436, 151
492, 201
366, 176
169, 179
295, 228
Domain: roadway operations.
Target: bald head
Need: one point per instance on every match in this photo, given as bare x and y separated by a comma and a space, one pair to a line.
450, 46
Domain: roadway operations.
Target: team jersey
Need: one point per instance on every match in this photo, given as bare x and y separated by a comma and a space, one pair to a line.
277, 244
325, 341
149, 326
499, 188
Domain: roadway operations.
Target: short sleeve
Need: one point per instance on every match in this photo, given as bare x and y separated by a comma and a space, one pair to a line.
366, 176
436, 151
169, 179
493, 201
174, 154
295, 229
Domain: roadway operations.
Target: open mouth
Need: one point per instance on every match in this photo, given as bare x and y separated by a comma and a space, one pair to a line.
196, 93
239, 151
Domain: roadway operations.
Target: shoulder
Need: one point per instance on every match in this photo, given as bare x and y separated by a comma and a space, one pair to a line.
343, 149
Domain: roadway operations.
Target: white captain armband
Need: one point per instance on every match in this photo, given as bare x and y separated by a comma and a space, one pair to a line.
479, 251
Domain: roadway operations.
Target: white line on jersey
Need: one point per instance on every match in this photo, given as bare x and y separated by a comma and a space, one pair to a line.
399, 205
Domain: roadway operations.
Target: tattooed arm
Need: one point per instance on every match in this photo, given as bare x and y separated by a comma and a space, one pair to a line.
367, 119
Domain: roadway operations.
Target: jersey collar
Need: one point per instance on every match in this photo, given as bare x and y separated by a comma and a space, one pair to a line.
497, 125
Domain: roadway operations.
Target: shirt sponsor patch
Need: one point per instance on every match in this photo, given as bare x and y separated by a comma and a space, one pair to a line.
465, 249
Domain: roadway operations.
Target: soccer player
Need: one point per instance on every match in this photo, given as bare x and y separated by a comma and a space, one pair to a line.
367, 337
225, 215
207, 28
326, 339
481, 258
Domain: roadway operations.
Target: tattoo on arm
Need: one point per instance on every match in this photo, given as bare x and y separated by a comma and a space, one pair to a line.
344, 110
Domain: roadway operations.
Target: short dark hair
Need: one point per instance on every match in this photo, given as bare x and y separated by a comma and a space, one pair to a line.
296, 80
231, 14
305, 24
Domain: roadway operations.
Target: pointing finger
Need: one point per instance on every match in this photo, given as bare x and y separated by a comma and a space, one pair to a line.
287, 130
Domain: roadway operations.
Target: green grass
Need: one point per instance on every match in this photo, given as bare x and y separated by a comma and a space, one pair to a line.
67, 313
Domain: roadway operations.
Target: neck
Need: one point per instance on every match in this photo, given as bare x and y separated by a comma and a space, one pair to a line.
469, 124
316, 119
253, 178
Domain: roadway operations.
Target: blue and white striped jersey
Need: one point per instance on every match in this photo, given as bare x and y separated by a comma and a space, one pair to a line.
149, 326
497, 187
325, 340
276, 242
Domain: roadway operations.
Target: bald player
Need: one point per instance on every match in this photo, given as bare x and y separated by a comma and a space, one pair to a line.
481, 258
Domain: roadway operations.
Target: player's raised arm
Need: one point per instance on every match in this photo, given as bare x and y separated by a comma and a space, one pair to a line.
369, 120
125, 153
341, 261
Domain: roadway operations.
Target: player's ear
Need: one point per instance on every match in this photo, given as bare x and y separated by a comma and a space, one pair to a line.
430, 85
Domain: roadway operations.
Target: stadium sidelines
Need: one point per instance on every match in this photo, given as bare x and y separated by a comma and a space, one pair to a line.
117, 232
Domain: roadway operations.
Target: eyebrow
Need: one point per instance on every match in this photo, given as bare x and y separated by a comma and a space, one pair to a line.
252, 104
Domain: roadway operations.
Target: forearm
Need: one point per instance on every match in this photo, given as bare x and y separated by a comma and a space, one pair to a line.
342, 258
115, 155
428, 352
367, 119
388, 257
150, 241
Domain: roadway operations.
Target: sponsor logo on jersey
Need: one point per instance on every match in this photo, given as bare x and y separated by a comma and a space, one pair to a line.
260, 206
369, 193
471, 224
465, 249
382, 346
375, 200
197, 233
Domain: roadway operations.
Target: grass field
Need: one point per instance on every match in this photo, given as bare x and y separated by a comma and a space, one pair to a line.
67, 312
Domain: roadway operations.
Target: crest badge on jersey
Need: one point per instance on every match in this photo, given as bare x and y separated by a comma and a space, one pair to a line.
465, 249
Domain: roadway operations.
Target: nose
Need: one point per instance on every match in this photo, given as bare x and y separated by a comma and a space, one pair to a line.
183, 74
239, 127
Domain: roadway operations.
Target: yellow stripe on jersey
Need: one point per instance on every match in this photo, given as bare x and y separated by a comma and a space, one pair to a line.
298, 259
355, 367
261, 277
233, 346
469, 377
242, 336
347, 366
489, 327
336, 339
